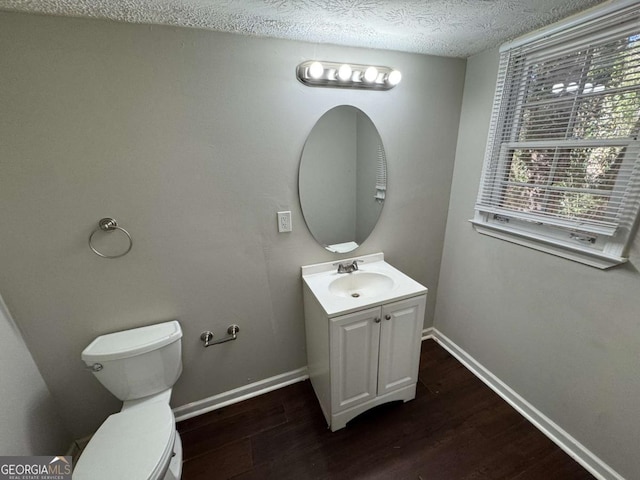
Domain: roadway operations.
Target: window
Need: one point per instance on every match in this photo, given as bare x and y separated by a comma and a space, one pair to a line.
562, 168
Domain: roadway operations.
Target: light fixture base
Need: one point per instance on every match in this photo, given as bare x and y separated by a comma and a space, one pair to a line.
332, 75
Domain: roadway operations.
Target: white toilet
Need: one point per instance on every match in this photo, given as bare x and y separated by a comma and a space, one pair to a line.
138, 366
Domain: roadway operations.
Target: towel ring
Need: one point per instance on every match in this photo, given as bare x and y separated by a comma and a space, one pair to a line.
107, 225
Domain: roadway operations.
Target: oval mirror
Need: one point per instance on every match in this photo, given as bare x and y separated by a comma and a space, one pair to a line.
343, 179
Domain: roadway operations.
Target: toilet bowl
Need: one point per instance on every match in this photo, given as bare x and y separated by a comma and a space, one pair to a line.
140, 442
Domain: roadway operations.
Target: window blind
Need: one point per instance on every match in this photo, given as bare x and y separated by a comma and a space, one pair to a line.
563, 147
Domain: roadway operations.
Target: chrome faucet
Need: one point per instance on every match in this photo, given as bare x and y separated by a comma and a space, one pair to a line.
347, 267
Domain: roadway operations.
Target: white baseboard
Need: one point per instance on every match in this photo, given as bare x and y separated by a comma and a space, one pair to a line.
427, 333
239, 394
564, 440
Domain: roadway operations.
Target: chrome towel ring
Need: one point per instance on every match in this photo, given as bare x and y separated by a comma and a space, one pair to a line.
107, 225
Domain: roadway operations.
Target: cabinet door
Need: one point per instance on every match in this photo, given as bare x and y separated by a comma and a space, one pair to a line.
354, 340
400, 337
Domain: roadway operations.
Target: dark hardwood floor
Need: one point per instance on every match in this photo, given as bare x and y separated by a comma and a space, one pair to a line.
456, 428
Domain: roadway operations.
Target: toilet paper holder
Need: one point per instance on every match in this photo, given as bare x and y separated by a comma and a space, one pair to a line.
207, 336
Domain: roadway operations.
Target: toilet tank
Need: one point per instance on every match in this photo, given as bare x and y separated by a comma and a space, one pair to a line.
139, 362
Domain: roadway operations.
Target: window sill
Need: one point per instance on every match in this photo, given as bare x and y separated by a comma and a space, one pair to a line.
544, 244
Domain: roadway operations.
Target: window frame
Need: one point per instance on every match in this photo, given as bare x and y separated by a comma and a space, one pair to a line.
602, 248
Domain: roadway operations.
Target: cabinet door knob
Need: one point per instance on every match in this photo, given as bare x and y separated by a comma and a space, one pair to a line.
388, 317
377, 319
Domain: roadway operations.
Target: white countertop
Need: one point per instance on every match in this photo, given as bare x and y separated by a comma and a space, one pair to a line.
318, 277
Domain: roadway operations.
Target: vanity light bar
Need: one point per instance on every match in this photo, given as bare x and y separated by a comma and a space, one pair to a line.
347, 75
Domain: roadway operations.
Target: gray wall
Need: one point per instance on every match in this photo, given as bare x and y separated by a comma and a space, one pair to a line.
29, 420
191, 139
561, 334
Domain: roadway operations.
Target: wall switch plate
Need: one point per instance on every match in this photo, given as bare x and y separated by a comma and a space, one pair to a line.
284, 221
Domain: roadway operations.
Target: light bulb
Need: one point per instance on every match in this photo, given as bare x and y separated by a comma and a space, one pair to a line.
394, 77
344, 73
371, 74
316, 70
572, 87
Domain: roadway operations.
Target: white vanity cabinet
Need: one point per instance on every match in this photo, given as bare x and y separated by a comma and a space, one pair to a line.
363, 321
363, 359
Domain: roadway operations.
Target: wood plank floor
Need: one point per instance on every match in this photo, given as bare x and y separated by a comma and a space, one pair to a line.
456, 428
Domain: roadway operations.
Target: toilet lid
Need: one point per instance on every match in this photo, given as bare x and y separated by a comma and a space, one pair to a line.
135, 444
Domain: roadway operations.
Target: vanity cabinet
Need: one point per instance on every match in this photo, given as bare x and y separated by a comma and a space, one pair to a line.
363, 359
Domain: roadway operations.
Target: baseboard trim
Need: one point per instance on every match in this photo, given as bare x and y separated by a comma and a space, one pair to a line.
554, 432
427, 333
239, 394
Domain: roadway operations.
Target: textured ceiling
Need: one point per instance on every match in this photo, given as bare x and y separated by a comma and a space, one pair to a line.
454, 28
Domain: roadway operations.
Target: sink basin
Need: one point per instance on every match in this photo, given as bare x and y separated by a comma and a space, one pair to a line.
361, 284
374, 283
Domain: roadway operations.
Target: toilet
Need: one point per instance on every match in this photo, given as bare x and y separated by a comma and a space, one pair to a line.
140, 367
